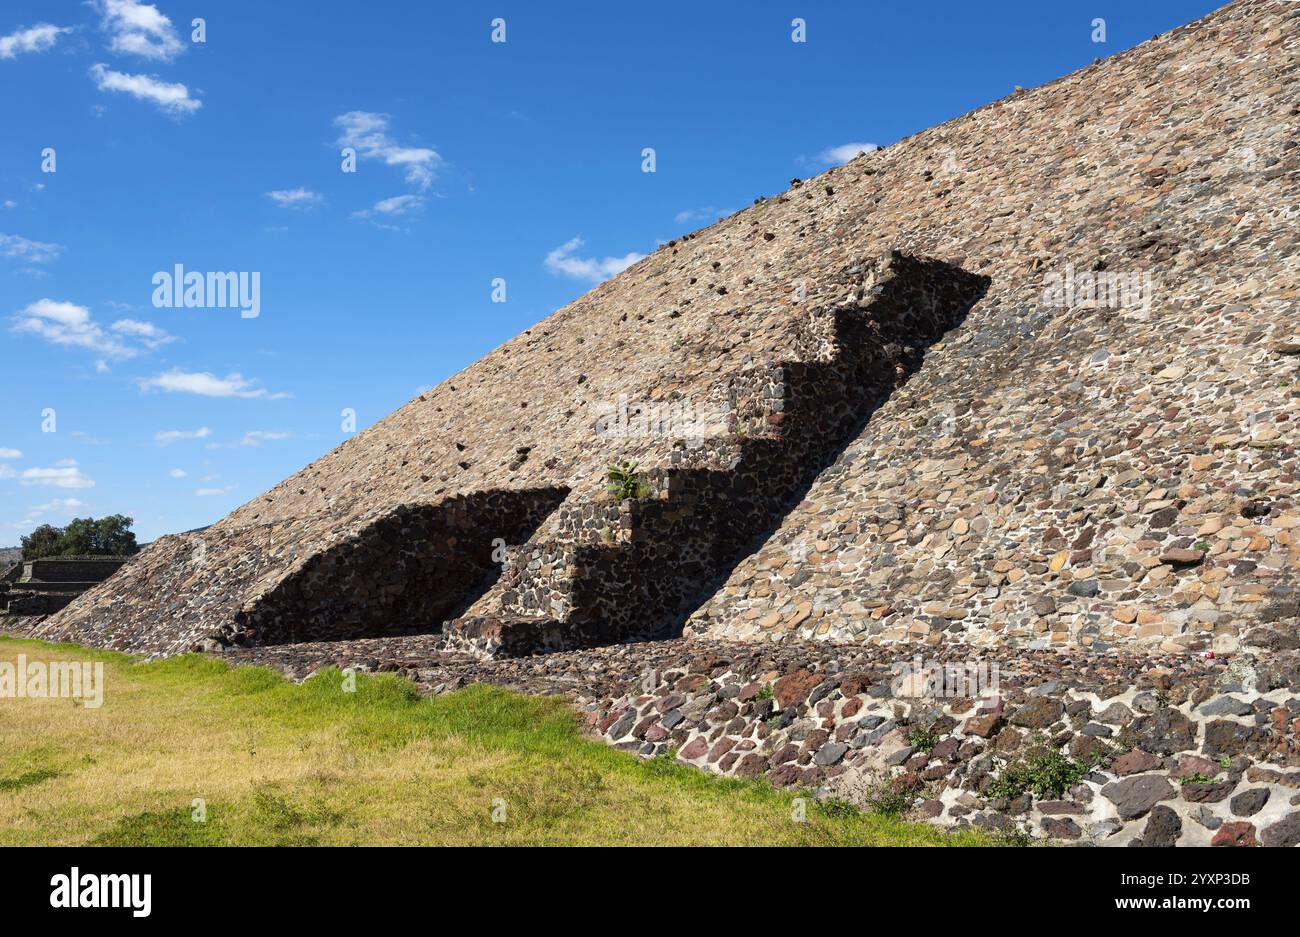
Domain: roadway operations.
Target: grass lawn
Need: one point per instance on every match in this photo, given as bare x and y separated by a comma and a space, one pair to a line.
275, 763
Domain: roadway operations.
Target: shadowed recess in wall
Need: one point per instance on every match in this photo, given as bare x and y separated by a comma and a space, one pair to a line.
404, 573
616, 570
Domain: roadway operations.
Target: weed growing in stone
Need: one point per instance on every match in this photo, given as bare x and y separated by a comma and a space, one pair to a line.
625, 481
890, 798
923, 739
1045, 772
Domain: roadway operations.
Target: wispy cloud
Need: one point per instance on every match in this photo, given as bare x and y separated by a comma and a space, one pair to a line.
35, 252
254, 438
205, 384
392, 207
295, 198
367, 133
169, 97
178, 473
10, 454
36, 38
166, 436
213, 492
65, 474
73, 326
146, 333
562, 261
835, 155
138, 29
60, 506
258, 436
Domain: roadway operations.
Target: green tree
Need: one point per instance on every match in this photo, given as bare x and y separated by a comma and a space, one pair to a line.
113, 536
42, 542
78, 537
84, 536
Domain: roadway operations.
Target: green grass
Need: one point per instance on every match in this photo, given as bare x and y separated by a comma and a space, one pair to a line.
189, 751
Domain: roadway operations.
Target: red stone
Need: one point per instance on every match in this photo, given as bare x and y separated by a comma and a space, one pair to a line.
984, 725
1134, 762
793, 688
697, 747
1236, 833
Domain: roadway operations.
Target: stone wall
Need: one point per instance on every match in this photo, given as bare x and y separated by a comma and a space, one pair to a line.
45, 586
79, 569
1100, 749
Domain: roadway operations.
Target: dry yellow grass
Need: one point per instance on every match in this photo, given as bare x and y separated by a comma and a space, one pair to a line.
269, 762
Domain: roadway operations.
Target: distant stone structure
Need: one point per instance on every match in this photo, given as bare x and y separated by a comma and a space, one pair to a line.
44, 586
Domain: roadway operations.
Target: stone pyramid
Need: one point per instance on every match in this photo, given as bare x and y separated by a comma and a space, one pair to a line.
1028, 377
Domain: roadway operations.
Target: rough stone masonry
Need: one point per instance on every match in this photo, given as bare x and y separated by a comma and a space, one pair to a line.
1087, 476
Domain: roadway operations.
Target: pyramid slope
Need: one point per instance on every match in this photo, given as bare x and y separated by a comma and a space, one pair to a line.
1098, 474
1175, 159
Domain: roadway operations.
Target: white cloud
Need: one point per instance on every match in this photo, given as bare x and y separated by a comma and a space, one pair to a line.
206, 384
170, 97
10, 454
252, 439
835, 155
163, 437
368, 134
35, 252
562, 261
10, 203
36, 38
256, 437
392, 207
295, 198
138, 29
72, 325
212, 492
178, 473
65, 474
64, 506
147, 333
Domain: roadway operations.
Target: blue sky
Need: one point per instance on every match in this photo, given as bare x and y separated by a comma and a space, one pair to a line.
475, 160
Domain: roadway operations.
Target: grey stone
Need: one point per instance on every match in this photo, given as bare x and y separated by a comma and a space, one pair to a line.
1134, 797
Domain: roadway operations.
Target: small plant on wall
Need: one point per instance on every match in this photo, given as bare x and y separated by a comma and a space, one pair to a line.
625, 481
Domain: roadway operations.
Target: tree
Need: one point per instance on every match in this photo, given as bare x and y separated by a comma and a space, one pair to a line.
113, 536
42, 542
78, 537
84, 536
